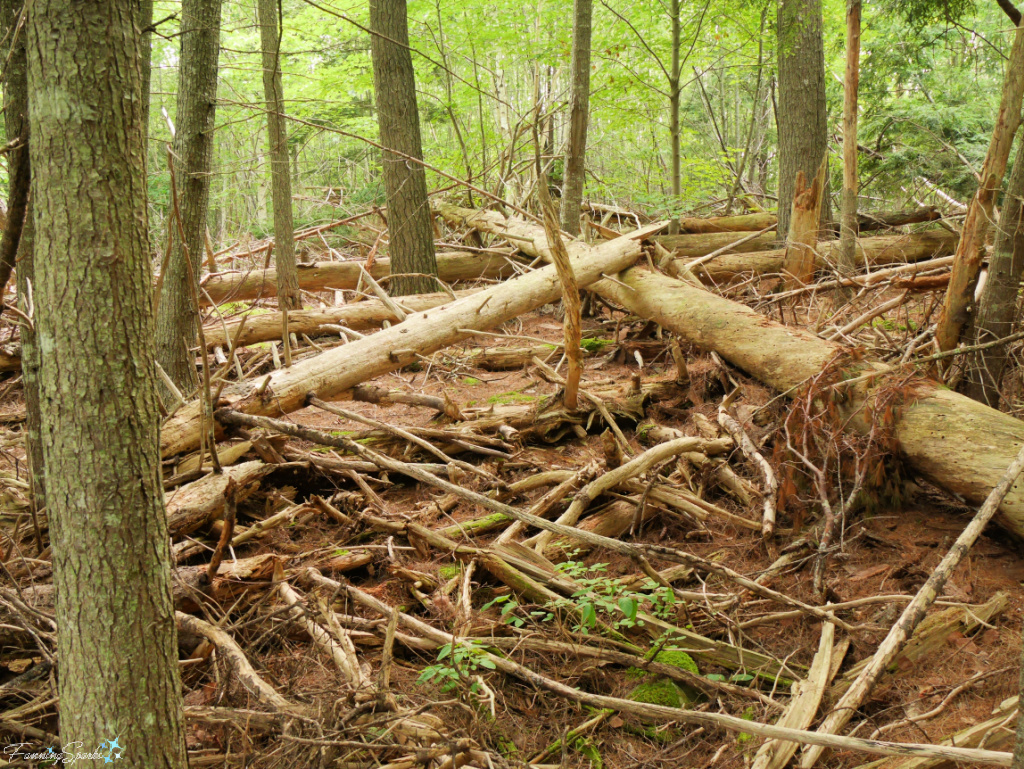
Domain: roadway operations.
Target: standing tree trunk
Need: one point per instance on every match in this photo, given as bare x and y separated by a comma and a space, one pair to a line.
288, 296
849, 227
959, 298
117, 642
997, 306
673, 99
801, 113
1018, 751
178, 316
579, 116
394, 86
16, 124
798, 264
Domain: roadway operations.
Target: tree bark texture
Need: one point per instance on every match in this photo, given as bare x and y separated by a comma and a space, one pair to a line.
997, 307
848, 226
579, 117
288, 296
798, 267
18, 164
801, 113
673, 102
959, 299
1018, 751
193, 155
409, 227
117, 643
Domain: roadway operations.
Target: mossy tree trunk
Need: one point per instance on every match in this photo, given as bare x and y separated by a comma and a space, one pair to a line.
802, 125
16, 124
117, 642
394, 86
193, 156
288, 296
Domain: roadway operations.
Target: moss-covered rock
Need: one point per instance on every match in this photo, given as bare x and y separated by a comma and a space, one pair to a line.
658, 691
677, 658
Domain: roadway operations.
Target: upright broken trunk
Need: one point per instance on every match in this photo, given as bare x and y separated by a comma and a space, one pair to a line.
997, 306
798, 266
959, 297
956, 443
288, 297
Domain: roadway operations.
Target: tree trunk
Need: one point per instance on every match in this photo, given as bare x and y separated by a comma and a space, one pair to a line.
703, 243
16, 124
1018, 751
336, 371
997, 307
956, 443
394, 85
178, 316
849, 228
956, 307
117, 643
801, 113
579, 117
673, 99
798, 266
288, 296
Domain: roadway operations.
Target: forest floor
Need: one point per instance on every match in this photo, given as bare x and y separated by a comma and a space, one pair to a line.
357, 527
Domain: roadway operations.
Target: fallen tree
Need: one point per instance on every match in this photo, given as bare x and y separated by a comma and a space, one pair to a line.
758, 221
338, 370
876, 251
221, 287
954, 442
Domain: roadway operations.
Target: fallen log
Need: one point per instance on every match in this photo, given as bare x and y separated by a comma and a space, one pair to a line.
360, 315
758, 221
876, 251
321, 276
956, 443
338, 370
702, 244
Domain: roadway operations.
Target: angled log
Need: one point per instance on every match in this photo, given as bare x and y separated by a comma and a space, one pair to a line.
875, 251
245, 286
956, 443
338, 370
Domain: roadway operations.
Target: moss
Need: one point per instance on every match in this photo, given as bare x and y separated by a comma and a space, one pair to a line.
595, 345
659, 691
449, 571
635, 674
677, 658
511, 397
470, 380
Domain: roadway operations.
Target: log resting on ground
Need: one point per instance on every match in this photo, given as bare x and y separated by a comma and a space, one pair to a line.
245, 286
335, 372
758, 221
876, 251
956, 443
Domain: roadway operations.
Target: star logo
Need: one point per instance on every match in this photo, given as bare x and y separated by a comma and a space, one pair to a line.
114, 750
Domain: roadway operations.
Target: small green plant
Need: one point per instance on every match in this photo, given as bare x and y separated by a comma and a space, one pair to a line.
511, 614
455, 663
470, 380
603, 595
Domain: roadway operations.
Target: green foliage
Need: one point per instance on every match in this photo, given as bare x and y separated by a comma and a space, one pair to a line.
455, 663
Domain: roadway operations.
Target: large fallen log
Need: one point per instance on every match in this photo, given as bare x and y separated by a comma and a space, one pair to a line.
956, 443
702, 244
747, 222
338, 370
876, 251
321, 276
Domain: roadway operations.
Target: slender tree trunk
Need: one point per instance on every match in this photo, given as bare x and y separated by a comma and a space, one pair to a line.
117, 642
579, 117
193, 156
1018, 751
849, 227
997, 307
394, 86
147, 70
18, 166
16, 124
673, 98
801, 113
288, 296
956, 307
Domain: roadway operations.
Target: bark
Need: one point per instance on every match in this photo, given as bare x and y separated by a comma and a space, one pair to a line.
193, 156
288, 296
118, 644
1018, 751
959, 299
956, 443
877, 251
331, 374
703, 244
798, 266
741, 223
848, 229
673, 96
997, 307
452, 267
16, 124
19, 165
801, 111
394, 87
579, 116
